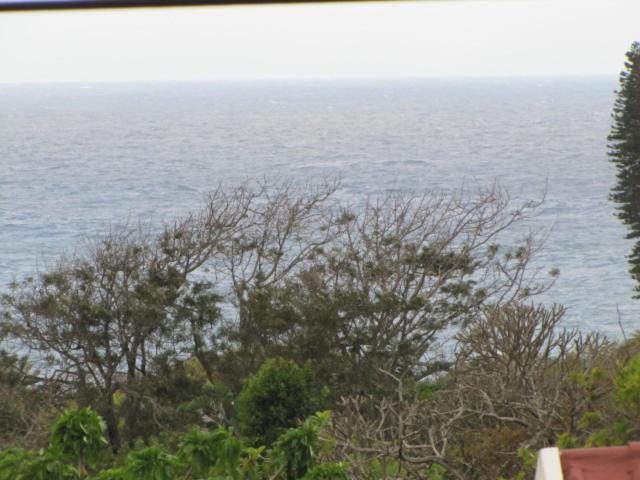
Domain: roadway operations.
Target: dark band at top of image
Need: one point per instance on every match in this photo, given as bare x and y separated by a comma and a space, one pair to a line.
83, 4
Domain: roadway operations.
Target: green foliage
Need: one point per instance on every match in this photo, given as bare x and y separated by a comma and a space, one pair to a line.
252, 465
230, 452
529, 459
202, 449
277, 397
48, 466
216, 455
111, 474
385, 467
14, 370
566, 440
78, 435
151, 463
609, 426
590, 420
624, 145
13, 462
627, 385
298, 448
327, 471
588, 381
426, 389
436, 472
617, 433
26, 409
18, 464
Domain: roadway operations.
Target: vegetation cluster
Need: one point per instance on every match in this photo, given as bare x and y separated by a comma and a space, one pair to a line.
279, 333
206, 351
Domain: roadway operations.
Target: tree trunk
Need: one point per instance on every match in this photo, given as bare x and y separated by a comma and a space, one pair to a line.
109, 416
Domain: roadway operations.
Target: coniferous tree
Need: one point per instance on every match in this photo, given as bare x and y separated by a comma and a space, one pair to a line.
624, 152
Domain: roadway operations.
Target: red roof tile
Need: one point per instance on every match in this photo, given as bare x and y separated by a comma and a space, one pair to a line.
607, 463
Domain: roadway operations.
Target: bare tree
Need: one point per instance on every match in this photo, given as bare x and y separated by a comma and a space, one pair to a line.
515, 384
399, 437
517, 366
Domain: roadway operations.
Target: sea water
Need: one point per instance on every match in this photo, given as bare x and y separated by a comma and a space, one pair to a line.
77, 158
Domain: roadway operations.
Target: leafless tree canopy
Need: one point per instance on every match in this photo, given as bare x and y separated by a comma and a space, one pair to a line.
514, 385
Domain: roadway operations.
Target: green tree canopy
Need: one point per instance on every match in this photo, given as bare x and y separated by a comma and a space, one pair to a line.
277, 397
624, 145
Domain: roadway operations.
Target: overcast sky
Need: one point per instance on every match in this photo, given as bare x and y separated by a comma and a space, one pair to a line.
394, 39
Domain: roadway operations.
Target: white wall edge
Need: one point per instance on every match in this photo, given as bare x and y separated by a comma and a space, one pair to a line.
549, 467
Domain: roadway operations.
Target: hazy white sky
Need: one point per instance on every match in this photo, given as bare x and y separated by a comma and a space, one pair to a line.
394, 39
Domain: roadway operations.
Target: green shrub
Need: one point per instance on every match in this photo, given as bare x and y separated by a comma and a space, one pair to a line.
618, 432
222, 448
327, 471
78, 435
202, 450
13, 462
276, 398
112, 474
151, 463
17, 464
627, 386
566, 440
298, 449
436, 472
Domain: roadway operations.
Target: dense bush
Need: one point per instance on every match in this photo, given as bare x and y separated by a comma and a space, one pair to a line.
276, 398
78, 437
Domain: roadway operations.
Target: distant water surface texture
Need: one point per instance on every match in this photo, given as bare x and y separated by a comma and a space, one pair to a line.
77, 158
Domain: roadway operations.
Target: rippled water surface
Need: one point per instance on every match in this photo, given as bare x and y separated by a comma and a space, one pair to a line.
76, 158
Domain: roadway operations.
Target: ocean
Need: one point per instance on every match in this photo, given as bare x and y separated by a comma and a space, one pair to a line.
77, 158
